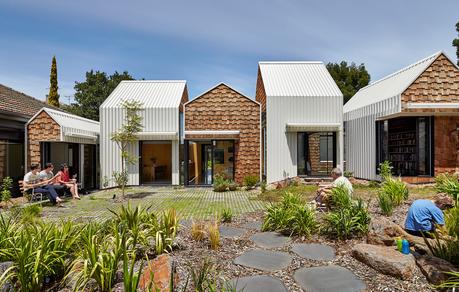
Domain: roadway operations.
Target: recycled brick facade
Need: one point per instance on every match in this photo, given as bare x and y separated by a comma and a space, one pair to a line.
439, 83
260, 93
446, 144
317, 166
42, 128
223, 108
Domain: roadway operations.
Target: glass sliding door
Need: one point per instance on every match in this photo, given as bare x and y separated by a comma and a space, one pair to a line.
205, 159
316, 153
156, 162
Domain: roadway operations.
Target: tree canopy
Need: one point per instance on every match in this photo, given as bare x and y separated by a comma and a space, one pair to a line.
456, 43
350, 78
53, 96
92, 92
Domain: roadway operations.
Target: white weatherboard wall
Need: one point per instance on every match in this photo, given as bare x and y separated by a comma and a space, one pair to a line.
297, 93
160, 115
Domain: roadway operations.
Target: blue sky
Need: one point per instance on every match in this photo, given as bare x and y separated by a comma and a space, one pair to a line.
206, 42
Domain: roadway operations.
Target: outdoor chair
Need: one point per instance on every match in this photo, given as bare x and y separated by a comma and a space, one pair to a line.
33, 196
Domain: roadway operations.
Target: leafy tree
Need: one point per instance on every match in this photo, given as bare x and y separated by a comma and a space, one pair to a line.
456, 43
125, 137
92, 92
53, 96
350, 78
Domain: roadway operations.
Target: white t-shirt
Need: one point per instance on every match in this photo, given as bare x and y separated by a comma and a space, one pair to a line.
343, 181
45, 175
31, 178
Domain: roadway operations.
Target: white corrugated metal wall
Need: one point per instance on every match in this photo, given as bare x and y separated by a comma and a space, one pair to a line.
154, 120
360, 140
282, 145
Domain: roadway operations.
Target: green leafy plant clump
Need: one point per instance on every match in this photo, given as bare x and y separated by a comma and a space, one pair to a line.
290, 216
221, 183
340, 198
250, 181
6, 192
346, 223
452, 221
396, 190
385, 203
449, 184
385, 170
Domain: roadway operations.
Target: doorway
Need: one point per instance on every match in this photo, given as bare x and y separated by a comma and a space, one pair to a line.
316, 153
206, 159
156, 162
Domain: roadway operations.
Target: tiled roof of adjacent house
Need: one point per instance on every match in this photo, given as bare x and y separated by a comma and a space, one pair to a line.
19, 103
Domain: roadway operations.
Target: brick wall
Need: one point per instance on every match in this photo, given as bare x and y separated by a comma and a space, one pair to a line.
260, 93
439, 83
314, 153
223, 108
42, 128
446, 144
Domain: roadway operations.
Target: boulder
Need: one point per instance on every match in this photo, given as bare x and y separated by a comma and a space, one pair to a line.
161, 269
386, 260
434, 268
382, 231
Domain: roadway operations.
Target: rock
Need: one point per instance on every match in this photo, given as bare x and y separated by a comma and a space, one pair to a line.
161, 268
433, 268
328, 279
269, 239
231, 232
314, 251
259, 283
382, 231
386, 260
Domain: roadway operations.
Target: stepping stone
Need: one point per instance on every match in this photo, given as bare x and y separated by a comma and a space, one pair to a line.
265, 260
231, 232
328, 279
269, 239
314, 251
256, 225
258, 284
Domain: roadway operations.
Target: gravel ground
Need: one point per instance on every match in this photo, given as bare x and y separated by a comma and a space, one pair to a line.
192, 252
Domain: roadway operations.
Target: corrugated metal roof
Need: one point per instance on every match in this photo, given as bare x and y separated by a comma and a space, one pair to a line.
389, 86
71, 121
151, 93
297, 79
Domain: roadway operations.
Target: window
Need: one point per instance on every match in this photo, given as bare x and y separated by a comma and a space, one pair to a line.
326, 147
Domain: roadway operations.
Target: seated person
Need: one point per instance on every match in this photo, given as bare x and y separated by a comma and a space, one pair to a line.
32, 182
423, 215
47, 174
63, 178
338, 180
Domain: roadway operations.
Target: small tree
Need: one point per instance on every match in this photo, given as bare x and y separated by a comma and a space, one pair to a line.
456, 43
53, 96
126, 136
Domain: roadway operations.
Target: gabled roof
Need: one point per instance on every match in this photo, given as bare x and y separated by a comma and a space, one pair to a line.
16, 102
70, 121
391, 85
151, 93
300, 79
219, 84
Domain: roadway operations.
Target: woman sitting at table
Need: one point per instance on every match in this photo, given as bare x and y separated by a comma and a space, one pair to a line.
63, 177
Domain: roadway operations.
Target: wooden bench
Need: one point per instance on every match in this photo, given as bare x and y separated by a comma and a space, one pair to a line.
33, 196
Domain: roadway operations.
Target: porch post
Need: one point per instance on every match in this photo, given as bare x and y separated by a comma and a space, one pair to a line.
341, 148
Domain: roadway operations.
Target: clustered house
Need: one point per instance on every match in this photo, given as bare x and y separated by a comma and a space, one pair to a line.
158, 146
16, 108
302, 121
59, 137
222, 136
410, 118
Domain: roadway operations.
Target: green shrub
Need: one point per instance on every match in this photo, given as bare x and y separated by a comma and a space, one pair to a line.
385, 170
348, 173
263, 186
452, 221
347, 223
290, 216
395, 189
220, 184
250, 181
339, 198
374, 184
232, 186
385, 203
30, 214
447, 249
447, 183
6, 185
227, 215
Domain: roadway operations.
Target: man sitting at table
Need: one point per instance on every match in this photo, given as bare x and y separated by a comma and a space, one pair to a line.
32, 182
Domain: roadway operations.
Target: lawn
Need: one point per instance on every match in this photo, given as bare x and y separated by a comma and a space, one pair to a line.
200, 203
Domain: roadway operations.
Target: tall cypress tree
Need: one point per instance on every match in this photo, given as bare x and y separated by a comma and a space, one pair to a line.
53, 96
456, 43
